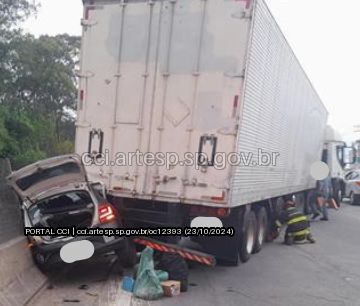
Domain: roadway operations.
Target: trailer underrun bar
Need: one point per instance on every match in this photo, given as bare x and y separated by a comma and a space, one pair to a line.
188, 254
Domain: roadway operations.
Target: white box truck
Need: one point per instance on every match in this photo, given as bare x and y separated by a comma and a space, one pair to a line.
340, 158
196, 108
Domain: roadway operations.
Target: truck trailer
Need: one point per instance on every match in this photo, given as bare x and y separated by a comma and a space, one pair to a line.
196, 113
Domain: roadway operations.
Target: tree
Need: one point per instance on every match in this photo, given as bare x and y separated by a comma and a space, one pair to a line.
40, 84
14, 11
20, 137
42, 75
37, 88
11, 13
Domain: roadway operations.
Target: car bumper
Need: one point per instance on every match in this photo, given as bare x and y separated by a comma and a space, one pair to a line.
51, 252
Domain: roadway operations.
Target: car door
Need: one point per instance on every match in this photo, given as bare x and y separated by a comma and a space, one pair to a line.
351, 179
346, 181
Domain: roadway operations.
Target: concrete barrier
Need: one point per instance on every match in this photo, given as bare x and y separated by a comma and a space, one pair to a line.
10, 218
19, 278
5, 167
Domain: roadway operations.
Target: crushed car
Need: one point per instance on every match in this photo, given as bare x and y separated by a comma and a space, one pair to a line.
56, 193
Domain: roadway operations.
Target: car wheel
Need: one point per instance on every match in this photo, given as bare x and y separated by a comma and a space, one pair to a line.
40, 261
261, 229
353, 199
127, 255
247, 239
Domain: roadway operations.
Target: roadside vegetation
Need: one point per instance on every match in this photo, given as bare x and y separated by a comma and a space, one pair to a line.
37, 88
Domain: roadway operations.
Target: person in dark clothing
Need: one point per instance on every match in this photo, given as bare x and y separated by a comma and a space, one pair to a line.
298, 226
312, 205
324, 196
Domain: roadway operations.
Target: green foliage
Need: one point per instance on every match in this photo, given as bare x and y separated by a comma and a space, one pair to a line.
25, 137
13, 11
37, 89
27, 158
42, 74
64, 147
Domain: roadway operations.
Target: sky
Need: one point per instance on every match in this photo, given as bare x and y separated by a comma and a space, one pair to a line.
324, 35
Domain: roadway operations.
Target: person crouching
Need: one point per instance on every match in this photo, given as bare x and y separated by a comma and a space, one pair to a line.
298, 226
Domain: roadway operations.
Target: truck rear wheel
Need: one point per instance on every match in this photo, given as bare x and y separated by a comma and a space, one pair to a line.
261, 229
248, 236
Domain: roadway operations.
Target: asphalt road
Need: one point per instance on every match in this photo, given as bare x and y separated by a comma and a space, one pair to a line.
325, 273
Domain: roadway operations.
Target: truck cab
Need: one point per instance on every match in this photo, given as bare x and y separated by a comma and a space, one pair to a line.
337, 156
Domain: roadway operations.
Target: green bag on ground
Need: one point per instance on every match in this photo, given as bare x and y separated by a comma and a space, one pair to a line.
147, 285
162, 275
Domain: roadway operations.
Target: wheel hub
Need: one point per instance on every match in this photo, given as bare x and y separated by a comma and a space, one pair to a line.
250, 239
261, 233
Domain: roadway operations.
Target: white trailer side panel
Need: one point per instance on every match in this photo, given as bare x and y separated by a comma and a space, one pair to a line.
282, 114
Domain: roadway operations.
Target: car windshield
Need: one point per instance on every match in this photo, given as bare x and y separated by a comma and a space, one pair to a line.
355, 175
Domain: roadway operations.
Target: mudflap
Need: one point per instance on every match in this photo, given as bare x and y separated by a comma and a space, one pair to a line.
225, 248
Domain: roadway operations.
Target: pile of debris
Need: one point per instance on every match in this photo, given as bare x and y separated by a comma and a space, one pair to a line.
155, 277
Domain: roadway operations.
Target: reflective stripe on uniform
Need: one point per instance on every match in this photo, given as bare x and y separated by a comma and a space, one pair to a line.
278, 223
303, 232
297, 219
294, 214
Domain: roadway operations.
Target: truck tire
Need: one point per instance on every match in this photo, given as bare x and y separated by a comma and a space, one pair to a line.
247, 239
177, 268
127, 255
306, 210
277, 206
261, 229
